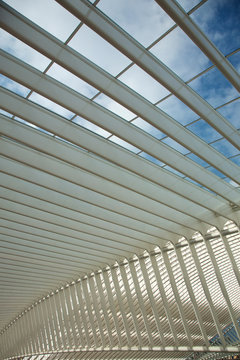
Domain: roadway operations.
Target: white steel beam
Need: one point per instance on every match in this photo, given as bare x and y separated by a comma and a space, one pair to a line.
152, 300
112, 307
94, 301
70, 99
130, 303
61, 327
76, 312
207, 293
102, 191
133, 228
53, 311
86, 331
182, 264
231, 257
138, 291
164, 298
37, 228
111, 32
104, 309
183, 20
121, 304
222, 286
70, 318
88, 305
177, 297
87, 162
81, 137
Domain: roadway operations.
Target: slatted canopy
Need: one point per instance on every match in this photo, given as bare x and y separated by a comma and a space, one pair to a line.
120, 178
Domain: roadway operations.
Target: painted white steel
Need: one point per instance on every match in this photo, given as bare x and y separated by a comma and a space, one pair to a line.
104, 309
76, 315
94, 301
81, 137
134, 276
87, 162
102, 191
177, 297
207, 293
130, 303
106, 281
222, 286
152, 301
164, 298
86, 331
191, 293
115, 280
61, 94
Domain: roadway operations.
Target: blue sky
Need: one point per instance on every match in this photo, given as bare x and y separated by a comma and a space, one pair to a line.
146, 22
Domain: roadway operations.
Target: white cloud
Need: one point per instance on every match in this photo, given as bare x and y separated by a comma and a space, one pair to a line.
173, 144
92, 127
13, 86
178, 110
142, 124
231, 112
124, 144
115, 107
180, 54
22, 51
188, 4
69, 79
145, 22
48, 14
144, 84
99, 51
50, 105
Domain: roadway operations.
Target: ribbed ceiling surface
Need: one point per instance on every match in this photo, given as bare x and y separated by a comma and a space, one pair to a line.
119, 145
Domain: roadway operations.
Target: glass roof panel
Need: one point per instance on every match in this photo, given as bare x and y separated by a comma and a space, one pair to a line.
220, 22
13, 86
175, 145
151, 158
231, 113
142, 124
204, 131
174, 171
178, 110
224, 147
50, 105
22, 51
197, 159
96, 49
236, 159
214, 88
188, 4
49, 15
185, 63
144, 84
92, 127
114, 106
136, 19
235, 60
216, 172
124, 144
3, 112
59, 73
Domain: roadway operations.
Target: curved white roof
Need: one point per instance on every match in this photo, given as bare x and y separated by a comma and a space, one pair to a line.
120, 179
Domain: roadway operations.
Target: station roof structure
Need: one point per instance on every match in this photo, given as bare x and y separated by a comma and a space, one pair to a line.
119, 179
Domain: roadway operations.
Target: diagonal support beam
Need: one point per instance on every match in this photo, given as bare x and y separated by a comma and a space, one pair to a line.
120, 39
183, 20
